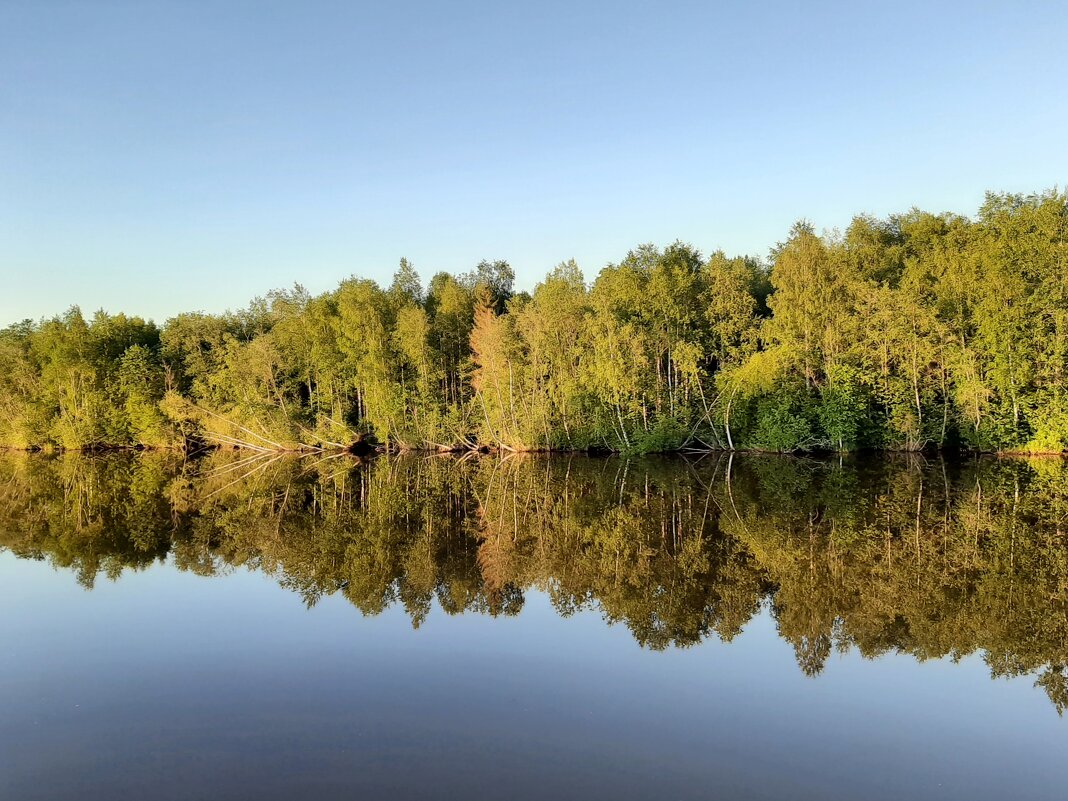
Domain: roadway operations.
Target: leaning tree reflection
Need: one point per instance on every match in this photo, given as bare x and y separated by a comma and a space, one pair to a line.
930, 559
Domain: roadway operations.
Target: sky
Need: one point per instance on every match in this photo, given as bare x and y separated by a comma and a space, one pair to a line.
166, 157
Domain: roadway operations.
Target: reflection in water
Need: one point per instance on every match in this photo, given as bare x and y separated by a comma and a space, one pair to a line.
931, 559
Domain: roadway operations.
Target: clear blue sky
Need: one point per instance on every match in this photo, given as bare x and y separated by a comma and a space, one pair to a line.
162, 157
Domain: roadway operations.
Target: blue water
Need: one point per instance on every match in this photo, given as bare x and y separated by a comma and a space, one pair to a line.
167, 685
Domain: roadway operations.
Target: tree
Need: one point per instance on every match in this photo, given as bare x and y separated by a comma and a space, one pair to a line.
406, 289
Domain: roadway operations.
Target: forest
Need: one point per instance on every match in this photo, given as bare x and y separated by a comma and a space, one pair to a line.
915, 332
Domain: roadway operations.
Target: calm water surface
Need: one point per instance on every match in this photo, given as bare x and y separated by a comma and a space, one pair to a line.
755, 628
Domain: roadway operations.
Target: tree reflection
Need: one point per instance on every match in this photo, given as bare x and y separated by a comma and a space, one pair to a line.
926, 558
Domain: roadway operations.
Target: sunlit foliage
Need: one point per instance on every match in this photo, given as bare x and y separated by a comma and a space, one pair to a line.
914, 332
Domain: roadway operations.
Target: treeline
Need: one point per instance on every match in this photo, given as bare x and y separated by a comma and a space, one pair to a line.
930, 559
911, 332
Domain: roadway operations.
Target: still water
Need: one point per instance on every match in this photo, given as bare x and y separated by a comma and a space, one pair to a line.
552, 627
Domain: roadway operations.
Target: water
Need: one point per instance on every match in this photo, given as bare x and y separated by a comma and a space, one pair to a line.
553, 627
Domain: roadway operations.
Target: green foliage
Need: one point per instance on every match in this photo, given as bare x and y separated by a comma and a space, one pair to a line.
913, 332
781, 424
843, 407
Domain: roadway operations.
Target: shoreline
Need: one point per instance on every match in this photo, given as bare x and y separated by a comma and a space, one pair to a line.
360, 450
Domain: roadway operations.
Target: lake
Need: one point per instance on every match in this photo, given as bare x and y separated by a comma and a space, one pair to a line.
763, 627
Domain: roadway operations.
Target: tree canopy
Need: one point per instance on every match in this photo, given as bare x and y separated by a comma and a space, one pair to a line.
911, 332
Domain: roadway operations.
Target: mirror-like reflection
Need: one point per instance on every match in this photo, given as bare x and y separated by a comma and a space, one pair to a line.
926, 558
